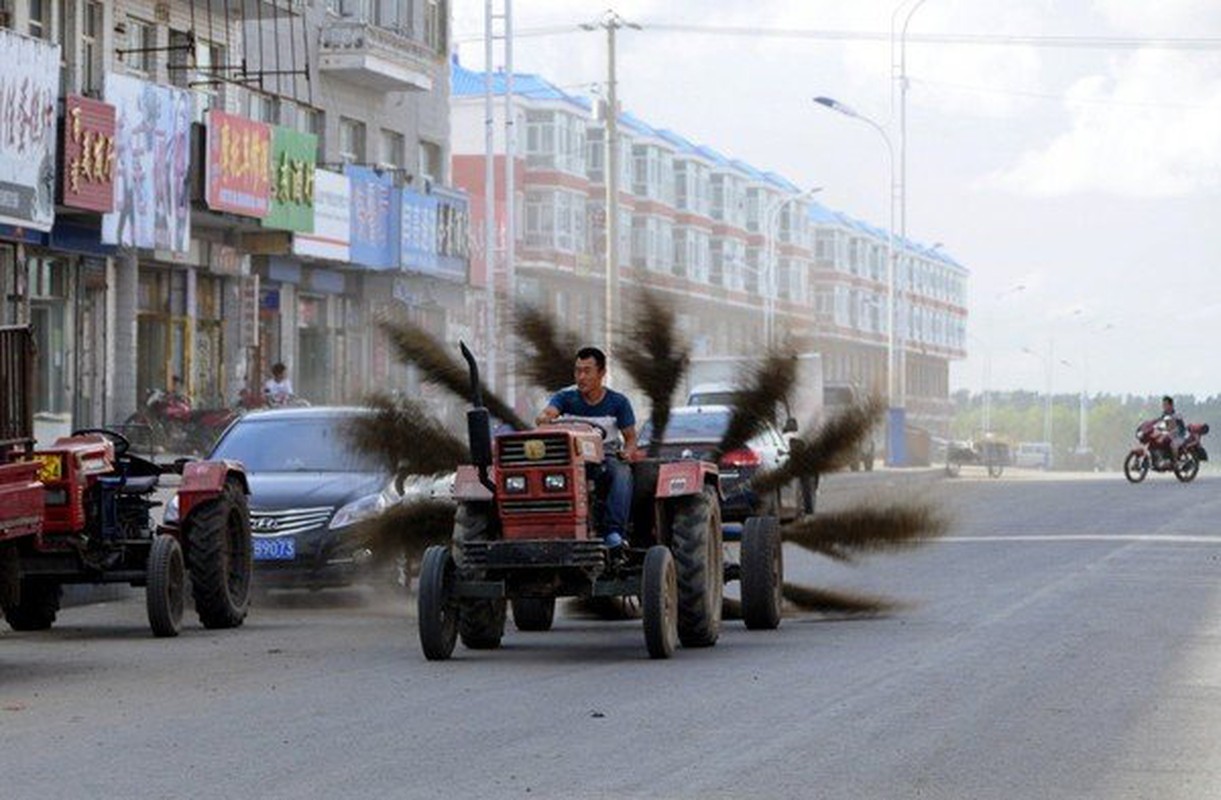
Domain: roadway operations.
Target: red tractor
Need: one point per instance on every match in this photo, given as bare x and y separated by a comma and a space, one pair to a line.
79, 512
526, 532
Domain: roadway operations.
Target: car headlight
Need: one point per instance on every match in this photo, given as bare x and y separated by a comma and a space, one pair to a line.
171, 512
358, 510
515, 484
556, 482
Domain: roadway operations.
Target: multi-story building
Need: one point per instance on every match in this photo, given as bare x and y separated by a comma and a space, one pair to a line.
734, 246
241, 184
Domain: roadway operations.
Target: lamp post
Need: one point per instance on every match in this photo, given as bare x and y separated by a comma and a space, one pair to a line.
1048, 366
987, 387
772, 221
896, 422
611, 22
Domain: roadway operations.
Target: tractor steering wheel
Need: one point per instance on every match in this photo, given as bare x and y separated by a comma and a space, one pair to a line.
121, 443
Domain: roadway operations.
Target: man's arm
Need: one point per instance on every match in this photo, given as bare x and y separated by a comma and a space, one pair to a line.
629, 442
548, 414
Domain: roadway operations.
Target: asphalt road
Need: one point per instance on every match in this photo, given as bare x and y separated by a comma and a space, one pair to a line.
1063, 642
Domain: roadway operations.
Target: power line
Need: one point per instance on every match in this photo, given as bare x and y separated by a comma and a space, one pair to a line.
961, 39
1050, 96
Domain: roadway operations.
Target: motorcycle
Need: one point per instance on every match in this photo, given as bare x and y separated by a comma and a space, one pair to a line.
172, 425
1155, 453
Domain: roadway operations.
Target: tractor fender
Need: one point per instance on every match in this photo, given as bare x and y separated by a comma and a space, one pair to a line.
681, 478
204, 480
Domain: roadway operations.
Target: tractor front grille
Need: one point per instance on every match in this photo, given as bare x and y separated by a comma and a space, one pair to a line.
512, 507
513, 451
540, 553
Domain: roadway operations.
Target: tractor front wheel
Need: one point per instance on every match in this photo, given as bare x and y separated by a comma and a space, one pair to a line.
533, 613
762, 573
695, 540
166, 588
37, 606
435, 609
220, 557
659, 602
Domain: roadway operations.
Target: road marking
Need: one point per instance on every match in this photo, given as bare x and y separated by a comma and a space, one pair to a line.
1089, 537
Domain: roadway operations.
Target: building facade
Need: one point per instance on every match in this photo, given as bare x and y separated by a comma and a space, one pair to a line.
229, 186
739, 250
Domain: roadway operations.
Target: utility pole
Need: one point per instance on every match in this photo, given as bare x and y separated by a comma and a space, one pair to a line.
510, 201
489, 189
611, 22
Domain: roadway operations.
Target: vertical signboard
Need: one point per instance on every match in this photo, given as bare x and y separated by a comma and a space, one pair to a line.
89, 155
293, 158
375, 218
238, 167
29, 92
436, 234
332, 235
152, 169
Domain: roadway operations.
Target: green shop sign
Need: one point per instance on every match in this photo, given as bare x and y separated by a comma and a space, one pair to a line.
293, 157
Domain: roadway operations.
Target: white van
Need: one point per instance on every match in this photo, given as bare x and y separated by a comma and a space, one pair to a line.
1033, 455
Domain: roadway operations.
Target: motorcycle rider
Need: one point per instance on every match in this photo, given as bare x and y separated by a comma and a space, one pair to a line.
279, 388
1174, 425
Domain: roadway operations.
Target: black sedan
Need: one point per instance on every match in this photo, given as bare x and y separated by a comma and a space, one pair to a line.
695, 432
307, 489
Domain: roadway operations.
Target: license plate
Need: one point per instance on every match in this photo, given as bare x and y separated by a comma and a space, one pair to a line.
282, 548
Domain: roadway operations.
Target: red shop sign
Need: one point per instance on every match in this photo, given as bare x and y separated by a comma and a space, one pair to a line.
88, 174
238, 165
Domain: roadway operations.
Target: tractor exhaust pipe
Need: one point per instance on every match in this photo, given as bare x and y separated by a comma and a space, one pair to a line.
478, 424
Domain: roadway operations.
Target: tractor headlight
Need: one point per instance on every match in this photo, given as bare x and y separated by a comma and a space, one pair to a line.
368, 506
515, 484
556, 482
171, 512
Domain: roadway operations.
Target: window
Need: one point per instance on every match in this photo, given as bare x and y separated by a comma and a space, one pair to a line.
92, 26
262, 108
435, 16
40, 18
391, 149
432, 163
141, 39
351, 141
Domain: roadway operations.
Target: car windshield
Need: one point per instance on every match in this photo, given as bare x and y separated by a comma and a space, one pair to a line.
298, 444
700, 426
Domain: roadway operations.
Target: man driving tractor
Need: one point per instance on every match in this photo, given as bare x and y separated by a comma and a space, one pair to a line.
591, 401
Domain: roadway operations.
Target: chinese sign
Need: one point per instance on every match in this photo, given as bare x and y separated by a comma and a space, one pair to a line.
29, 92
332, 235
238, 165
293, 156
152, 167
435, 234
375, 218
89, 154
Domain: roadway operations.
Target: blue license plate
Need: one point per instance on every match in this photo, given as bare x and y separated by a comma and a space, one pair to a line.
282, 548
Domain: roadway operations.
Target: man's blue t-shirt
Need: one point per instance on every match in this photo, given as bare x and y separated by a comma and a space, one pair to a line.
613, 412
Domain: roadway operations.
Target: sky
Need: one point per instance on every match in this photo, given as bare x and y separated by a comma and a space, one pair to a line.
1080, 185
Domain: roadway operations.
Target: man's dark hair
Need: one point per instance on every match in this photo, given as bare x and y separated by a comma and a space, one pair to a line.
1168, 399
592, 352
277, 368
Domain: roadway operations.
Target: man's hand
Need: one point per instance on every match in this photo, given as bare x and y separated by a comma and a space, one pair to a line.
547, 415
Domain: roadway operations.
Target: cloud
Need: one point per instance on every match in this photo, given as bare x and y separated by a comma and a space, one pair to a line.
1147, 127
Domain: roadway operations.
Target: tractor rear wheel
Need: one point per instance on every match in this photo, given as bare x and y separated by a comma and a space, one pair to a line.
533, 613
436, 611
762, 573
166, 588
36, 609
695, 540
220, 558
659, 602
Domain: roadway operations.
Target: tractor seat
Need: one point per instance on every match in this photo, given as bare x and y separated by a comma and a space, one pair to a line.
131, 485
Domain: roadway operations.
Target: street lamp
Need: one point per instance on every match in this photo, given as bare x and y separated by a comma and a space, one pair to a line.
987, 387
611, 22
772, 222
1048, 366
896, 422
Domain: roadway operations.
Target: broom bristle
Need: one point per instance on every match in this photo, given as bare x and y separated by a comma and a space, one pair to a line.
402, 436
656, 359
756, 400
546, 359
827, 601
406, 528
417, 346
844, 535
830, 447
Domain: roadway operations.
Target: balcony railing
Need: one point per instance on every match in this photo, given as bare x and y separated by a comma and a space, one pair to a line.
376, 58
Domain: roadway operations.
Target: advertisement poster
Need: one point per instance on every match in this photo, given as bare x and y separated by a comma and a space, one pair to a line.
29, 92
375, 218
332, 235
152, 170
238, 165
435, 234
89, 154
293, 158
